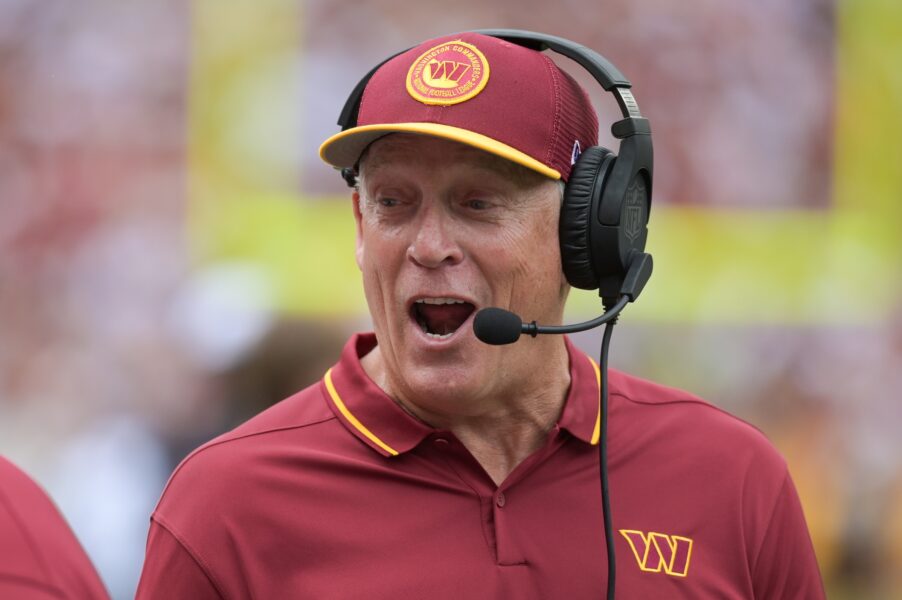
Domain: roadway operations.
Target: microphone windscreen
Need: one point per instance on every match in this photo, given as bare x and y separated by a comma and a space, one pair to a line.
497, 326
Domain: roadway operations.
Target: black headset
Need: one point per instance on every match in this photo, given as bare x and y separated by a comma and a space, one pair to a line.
604, 218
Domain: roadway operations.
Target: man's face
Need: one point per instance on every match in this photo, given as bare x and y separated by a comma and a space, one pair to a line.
444, 230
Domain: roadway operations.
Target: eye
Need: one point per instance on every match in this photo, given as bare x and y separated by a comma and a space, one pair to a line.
388, 202
477, 204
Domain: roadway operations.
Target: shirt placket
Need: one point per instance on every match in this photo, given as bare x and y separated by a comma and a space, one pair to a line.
498, 509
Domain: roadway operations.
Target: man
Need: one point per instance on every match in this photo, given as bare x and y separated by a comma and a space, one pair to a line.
427, 464
39, 555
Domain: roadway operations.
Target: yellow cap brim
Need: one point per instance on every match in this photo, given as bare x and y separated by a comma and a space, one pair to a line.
344, 148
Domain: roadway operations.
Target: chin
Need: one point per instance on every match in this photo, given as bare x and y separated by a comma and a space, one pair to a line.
442, 385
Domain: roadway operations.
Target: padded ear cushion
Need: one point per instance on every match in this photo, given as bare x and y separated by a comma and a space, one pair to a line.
582, 192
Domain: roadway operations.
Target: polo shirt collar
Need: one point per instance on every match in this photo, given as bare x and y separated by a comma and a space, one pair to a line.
582, 410
371, 415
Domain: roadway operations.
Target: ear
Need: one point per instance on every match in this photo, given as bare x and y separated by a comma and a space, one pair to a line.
358, 218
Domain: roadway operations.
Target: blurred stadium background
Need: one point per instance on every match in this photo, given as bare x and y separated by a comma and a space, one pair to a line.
174, 257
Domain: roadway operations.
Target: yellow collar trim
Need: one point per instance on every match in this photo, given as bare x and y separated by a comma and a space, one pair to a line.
596, 433
336, 399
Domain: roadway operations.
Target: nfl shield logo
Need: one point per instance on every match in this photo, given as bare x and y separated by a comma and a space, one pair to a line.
634, 209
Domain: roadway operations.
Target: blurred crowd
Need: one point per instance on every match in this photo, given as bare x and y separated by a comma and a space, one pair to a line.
121, 350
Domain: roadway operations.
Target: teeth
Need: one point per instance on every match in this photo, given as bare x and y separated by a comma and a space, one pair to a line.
439, 301
437, 336
422, 322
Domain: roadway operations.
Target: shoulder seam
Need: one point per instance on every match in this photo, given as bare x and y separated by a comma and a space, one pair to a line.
674, 401
214, 443
696, 401
201, 564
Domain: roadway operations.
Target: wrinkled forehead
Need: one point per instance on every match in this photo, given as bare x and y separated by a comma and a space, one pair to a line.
406, 149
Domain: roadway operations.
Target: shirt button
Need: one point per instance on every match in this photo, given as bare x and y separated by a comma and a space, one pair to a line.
500, 500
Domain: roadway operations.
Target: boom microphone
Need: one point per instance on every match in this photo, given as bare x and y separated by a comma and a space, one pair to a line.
497, 326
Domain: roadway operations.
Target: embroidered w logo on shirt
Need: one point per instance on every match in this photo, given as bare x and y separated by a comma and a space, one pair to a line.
656, 552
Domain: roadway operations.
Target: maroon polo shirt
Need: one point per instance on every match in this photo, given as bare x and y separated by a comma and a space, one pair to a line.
39, 555
337, 492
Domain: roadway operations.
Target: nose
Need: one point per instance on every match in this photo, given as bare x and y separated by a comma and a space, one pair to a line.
434, 243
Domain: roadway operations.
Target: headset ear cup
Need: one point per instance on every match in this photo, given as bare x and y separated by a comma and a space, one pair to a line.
581, 196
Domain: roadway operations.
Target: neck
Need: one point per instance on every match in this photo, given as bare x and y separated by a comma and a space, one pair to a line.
508, 425
502, 440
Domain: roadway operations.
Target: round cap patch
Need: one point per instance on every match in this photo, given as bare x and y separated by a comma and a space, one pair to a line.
448, 73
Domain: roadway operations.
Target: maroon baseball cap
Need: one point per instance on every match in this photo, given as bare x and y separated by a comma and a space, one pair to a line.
482, 91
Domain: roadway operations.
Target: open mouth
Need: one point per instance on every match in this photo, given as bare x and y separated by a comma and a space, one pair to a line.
440, 317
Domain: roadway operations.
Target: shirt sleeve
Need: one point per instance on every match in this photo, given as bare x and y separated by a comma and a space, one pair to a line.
786, 566
171, 570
